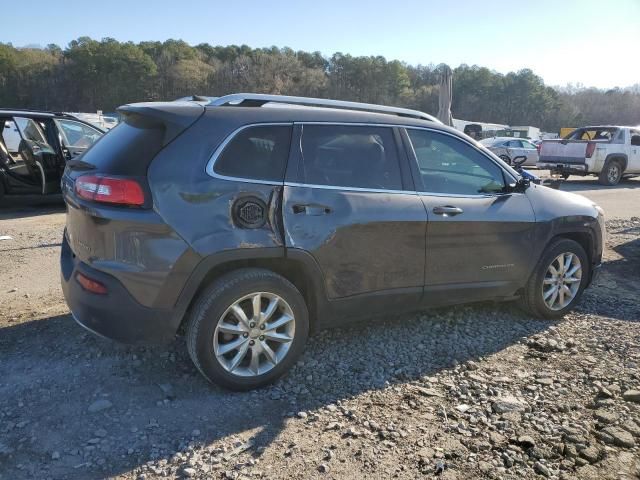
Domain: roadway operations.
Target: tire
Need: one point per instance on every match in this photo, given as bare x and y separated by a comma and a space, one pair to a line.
213, 308
611, 174
533, 298
565, 176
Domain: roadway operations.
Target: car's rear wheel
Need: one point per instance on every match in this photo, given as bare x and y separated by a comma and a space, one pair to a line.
247, 329
611, 173
558, 280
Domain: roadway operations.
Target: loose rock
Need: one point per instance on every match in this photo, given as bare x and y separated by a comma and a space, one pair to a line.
620, 437
100, 405
632, 396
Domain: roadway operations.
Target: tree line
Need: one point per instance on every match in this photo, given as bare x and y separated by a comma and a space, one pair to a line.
90, 75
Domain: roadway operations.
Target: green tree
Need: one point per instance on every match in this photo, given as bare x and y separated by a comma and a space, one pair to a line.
89, 74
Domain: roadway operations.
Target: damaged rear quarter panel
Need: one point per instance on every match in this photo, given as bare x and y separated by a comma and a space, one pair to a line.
199, 207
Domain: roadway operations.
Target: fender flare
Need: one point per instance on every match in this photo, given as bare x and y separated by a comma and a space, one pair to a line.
560, 228
206, 265
616, 156
313, 275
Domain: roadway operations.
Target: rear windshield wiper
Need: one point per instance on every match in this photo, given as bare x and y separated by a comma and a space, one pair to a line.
80, 165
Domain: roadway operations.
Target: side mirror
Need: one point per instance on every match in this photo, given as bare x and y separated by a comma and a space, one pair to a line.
635, 140
519, 186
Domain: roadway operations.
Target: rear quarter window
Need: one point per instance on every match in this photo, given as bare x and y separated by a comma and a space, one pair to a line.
257, 153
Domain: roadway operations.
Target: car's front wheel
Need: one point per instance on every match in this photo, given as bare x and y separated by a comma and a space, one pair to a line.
558, 281
247, 329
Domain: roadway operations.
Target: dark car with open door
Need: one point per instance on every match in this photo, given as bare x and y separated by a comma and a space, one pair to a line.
35, 147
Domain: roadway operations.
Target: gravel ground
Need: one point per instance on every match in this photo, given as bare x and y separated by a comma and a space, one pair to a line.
470, 392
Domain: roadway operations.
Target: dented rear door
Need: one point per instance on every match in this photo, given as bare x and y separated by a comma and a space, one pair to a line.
349, 208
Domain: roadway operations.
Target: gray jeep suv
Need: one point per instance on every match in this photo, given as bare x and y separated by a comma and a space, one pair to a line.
251, 220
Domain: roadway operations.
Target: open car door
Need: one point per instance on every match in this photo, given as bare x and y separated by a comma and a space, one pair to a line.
37, 162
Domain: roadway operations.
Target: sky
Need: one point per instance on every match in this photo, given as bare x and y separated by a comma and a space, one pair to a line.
588, 42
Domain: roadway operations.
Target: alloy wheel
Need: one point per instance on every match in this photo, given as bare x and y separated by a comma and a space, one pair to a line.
613, 173
254, 334
562, 281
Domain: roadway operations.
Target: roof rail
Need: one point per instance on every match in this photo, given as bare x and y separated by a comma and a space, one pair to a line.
258, 99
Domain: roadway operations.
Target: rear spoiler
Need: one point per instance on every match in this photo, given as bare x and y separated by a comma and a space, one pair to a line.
173, 117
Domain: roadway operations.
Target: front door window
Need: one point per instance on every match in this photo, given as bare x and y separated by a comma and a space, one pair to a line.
76, 137
448, 165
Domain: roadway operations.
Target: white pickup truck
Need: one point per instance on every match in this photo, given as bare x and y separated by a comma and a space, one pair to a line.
609, 152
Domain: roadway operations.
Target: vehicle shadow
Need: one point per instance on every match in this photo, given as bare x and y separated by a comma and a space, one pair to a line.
615, 293
12, 207
52, 371
572, 185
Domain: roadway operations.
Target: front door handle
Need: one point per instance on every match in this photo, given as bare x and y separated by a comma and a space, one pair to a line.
447, 210
311, 209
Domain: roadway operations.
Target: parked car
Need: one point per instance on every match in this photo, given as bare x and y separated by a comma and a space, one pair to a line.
509, 148
249, 227
611, 153
35, 146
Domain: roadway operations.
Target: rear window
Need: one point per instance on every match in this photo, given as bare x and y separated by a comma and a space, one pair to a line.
595, 133
256, 153
126, 149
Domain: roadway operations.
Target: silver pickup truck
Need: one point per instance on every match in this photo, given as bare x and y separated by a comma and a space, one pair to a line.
609, 152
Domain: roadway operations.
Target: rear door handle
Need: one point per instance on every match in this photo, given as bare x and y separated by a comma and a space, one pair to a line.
311, 209
447, 210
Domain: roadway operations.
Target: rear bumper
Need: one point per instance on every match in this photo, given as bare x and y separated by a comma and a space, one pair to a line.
116, 315
572, 168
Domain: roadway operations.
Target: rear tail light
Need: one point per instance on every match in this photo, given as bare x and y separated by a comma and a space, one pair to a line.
91, 285
591, 146
105, 189
538, 147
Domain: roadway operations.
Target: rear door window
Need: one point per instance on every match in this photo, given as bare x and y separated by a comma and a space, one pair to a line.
30, 130
76, 134
257, 153
350, 156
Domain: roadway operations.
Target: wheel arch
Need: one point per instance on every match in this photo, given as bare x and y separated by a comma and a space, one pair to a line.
298, 267
582, 238
621, 157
